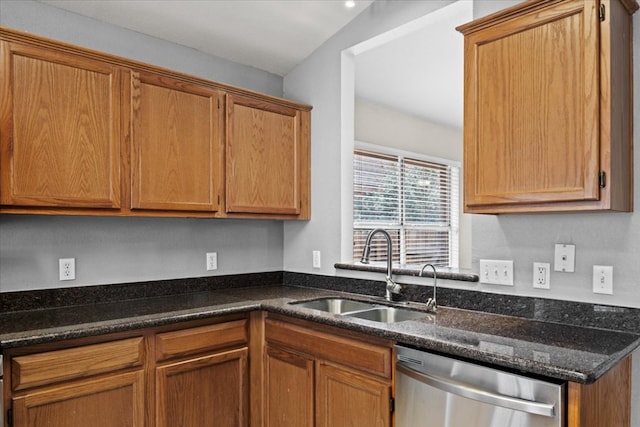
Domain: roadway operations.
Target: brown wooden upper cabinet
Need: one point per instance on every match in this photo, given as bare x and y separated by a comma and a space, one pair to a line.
263, 146
86, 133
175, 154
60, 129
548, 108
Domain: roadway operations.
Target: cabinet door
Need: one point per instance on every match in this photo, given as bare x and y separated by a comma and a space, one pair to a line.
115, 400
263, 149
60, 129
532, 101
347, 398
289, 385
175, 156
206, 391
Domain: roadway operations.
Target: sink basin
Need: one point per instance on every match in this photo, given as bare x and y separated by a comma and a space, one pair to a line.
362, 310
335, 305
389, 314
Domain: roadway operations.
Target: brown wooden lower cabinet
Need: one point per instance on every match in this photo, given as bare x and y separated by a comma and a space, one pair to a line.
209, 390
112, 400
186, 375
196, 374
289, 397
607, 402
347, 398
327, 377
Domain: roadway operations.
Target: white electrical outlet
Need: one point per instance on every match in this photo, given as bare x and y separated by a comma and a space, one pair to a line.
67, 268
212, 261
496, 272
541, 275
565, 258
316, 259
603, 279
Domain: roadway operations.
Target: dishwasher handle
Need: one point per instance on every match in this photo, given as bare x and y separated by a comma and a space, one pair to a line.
469, 391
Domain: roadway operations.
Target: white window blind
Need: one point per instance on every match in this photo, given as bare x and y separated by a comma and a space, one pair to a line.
416, 201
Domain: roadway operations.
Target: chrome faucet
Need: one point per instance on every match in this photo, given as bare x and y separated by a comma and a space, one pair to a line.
431, 302
393, 290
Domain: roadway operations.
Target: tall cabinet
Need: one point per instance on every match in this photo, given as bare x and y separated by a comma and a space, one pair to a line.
548, 108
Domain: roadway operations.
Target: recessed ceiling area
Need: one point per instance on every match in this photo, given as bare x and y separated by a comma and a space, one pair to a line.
273, 35
417, 69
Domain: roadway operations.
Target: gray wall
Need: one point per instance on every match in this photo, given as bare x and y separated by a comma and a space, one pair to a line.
48, 21
118, 250
600, 238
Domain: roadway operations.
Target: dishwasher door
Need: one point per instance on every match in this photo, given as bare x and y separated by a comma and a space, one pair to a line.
437, 391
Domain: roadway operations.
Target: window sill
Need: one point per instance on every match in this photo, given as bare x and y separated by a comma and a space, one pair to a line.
411, 270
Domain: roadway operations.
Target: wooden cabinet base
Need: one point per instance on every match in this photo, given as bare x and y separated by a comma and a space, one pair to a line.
115, 400
206, 391
317, 375
607, 402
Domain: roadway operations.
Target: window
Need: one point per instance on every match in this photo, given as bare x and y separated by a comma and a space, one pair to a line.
414, 200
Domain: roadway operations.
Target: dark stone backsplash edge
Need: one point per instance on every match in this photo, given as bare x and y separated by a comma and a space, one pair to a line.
411, 270
623, 319
547, 310
83, 295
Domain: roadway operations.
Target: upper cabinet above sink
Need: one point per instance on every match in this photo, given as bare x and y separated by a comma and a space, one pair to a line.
548, 108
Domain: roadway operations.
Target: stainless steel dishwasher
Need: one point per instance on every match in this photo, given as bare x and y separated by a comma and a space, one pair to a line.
437, 391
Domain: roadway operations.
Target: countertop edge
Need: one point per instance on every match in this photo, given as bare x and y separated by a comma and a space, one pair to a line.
280, 305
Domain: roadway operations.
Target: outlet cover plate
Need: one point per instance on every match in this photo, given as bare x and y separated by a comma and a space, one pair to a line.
212, 261
565, 258
317, 263
67, 268
603, 279
541, 275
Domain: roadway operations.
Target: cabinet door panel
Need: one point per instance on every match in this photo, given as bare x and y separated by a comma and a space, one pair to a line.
289, 389
346, 398
532, 112
207, 391
116, 400
175, 152
61, 130
263, 157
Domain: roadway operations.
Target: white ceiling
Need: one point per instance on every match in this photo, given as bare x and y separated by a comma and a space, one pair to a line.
419, 71
272, 35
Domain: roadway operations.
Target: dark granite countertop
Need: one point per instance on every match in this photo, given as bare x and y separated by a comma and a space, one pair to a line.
546, 348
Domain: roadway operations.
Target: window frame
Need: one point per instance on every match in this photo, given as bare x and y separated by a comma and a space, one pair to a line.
453, 227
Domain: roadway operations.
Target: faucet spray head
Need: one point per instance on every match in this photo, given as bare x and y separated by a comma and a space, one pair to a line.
365, 254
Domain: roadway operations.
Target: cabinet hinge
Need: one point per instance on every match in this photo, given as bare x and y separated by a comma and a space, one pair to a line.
603, 179
392, 405
601, 13
10, 417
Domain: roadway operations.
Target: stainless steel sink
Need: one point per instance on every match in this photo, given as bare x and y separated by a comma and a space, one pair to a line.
389, 314
335, 305
362, 310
